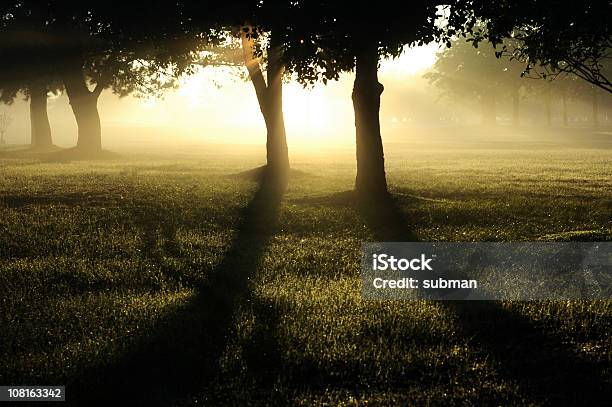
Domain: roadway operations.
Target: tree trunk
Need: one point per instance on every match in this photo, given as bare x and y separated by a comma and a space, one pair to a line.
84, 104
595, 109
277, 153
515, 108
39, 119
488, 110
371, 180
270, 99
565, 121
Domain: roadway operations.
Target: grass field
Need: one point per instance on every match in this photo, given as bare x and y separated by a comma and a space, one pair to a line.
184, 279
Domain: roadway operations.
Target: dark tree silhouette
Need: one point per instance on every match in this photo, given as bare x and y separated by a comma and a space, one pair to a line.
124, 51
552, 38
474, 74
90, 46
269, 93
27, 68
36, 91
262, 29
333, 37
5, 122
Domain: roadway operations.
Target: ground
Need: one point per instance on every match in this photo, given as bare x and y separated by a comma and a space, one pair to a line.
183, 278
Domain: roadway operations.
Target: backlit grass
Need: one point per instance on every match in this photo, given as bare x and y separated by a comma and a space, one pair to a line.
178, 280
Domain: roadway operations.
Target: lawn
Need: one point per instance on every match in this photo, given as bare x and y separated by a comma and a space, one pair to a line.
185, 278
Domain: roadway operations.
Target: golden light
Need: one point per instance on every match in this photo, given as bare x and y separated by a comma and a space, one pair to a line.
216, 104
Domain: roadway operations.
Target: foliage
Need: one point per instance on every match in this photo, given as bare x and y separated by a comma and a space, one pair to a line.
326, 36
140, 49
465, 72
553, 38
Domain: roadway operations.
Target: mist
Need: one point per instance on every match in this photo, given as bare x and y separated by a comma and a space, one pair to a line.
217, 106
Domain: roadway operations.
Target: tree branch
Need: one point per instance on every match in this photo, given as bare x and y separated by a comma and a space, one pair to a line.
252, 65
98, 89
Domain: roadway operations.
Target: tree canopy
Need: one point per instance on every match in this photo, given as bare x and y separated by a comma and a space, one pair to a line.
552, 38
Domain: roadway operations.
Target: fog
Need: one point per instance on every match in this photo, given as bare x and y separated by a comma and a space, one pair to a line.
217, 105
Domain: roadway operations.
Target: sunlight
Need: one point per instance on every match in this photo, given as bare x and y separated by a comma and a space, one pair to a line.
413, 61
219, 104
306, 109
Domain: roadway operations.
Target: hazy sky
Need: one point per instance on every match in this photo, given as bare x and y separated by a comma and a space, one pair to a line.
216, 105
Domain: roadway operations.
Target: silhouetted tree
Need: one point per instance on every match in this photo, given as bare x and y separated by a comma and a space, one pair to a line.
91, 46
269, 93
328, 38
475, 74
592, 96
27, 68
5, 122
568, 87
125, 51
36, 92
552, 38
261, 28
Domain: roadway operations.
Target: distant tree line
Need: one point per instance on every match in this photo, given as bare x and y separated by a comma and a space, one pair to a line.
85, 47
467, 74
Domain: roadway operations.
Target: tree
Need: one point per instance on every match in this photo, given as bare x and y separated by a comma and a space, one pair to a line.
552, 39
328, 38
36, 92
568, 87
124, 51
333, 37
269, 93
26, 69
90, 46
590, 94
469, 73
260, 29
5, 122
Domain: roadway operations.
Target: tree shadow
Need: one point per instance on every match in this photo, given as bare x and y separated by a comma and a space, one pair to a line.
335, 200
381, 214
265, 378
67, 199
543, 365
182, 354
385, 219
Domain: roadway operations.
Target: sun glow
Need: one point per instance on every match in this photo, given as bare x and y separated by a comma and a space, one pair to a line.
219, 104
413, 61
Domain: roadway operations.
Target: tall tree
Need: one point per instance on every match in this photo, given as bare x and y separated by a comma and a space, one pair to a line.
5, 122
567, 87
124, 51
552, 38
471, 73
328, 38
261, 29
90, 46
269, 93
27, 68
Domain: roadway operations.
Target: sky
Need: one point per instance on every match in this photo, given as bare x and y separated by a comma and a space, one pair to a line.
217, 105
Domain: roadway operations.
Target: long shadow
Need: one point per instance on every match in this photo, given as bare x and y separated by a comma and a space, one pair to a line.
546, 369
182, 354
264, 369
